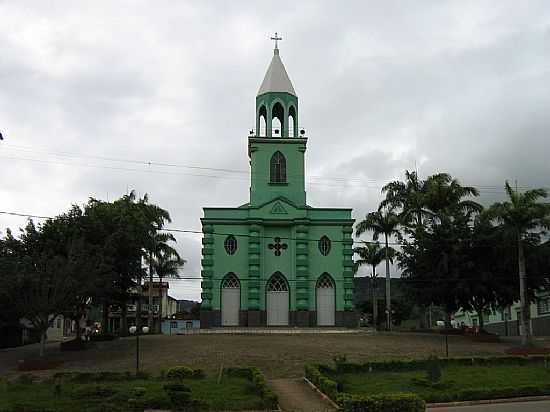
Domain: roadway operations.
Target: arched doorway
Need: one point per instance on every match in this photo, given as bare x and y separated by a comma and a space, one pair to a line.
277, 298
231, 300
326, 307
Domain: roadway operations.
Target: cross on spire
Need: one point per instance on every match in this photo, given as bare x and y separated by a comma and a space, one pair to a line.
276, 38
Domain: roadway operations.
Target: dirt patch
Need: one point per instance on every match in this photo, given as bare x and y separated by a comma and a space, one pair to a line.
278, 356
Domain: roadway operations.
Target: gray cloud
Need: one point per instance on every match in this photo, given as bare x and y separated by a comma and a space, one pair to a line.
449, 86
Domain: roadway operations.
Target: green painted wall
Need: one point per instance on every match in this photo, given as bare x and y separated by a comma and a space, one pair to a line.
277, 210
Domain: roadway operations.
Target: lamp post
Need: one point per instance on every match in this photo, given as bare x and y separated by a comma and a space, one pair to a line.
135, 331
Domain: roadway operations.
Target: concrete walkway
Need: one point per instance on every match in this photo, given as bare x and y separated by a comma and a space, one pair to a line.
295, 395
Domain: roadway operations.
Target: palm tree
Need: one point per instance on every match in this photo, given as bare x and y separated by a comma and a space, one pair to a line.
167, 264
524, 217
408, 197
157, 248
372, 254
444, 196
383, 221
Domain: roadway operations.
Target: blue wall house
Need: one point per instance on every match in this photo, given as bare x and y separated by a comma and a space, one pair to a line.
180, 326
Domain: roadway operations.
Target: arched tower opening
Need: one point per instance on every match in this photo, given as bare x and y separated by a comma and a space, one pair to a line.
292, 122
278, 120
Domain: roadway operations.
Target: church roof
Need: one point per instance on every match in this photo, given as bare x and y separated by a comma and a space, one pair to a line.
276, 79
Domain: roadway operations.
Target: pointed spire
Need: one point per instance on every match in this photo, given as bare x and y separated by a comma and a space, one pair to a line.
276, 78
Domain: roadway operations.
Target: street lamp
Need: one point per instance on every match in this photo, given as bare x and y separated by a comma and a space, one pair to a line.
135, 331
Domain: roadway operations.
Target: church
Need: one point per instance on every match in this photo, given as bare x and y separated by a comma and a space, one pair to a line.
275, 260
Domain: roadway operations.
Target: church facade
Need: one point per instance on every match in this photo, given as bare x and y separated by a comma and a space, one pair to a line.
276, 261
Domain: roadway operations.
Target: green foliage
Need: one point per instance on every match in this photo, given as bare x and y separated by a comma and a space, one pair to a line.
269, 399
399, 402
180, 372
326, 385
92, 391
433, 373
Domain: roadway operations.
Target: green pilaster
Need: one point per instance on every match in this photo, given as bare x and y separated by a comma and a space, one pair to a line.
347, 252
302, 266
254, 264
207, 263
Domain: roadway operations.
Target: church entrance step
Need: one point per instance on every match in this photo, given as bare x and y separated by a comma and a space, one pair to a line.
295, 395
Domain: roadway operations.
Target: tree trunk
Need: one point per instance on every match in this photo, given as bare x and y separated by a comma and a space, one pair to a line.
525, 329
481, 320
159, 327
105, 318
388, 283
43, 337
150, 312
123, 319
374, 300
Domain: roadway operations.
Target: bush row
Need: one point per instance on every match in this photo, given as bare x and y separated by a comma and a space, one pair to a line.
325, 384
482, 394
398, 402
269, 399
90, 377
184, 372
403, 365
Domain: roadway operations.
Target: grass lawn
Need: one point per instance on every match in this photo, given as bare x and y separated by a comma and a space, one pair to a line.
233, 393
455, 379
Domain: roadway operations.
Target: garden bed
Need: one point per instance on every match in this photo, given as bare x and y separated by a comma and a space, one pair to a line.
186, 389
458, 379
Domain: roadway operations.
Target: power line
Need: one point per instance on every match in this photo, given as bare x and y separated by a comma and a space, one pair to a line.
496, 189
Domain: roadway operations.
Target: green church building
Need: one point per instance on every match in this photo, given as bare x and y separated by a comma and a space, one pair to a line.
276, 261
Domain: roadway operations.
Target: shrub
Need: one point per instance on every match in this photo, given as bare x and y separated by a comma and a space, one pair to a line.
388, 403
25, 379
325, 384
433, 373
179, 372
269, 399
139, 391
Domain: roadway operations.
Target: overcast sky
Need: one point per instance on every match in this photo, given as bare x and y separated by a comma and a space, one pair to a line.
384, 86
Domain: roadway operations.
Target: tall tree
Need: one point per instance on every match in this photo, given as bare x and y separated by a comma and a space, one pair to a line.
408, 198
526, 218
372, 254
382, 222
166, 263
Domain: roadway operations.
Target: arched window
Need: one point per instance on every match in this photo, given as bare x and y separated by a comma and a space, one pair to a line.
277, 283
324, 245
230, 244
292, 126
278, 168
277, 119
325, 282
230, 281
262, 131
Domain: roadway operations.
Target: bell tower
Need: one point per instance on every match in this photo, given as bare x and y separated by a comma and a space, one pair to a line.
277, 148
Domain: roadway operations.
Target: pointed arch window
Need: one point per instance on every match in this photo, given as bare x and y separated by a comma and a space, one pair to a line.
325, 282
278, 168
277, 283
230, 244
324, 245
230, 281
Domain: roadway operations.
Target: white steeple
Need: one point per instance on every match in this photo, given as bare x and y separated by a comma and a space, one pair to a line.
276, 79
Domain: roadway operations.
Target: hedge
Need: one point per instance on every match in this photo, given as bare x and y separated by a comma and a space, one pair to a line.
254, 375
398, 402
404, 365
184, 372
325, 384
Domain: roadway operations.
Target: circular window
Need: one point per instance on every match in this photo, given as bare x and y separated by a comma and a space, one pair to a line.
230, 245
324, 245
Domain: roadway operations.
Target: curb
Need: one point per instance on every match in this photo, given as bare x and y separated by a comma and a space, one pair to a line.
325, 397
488, 401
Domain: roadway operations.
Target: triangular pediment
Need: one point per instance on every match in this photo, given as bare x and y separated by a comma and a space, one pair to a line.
278, 209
